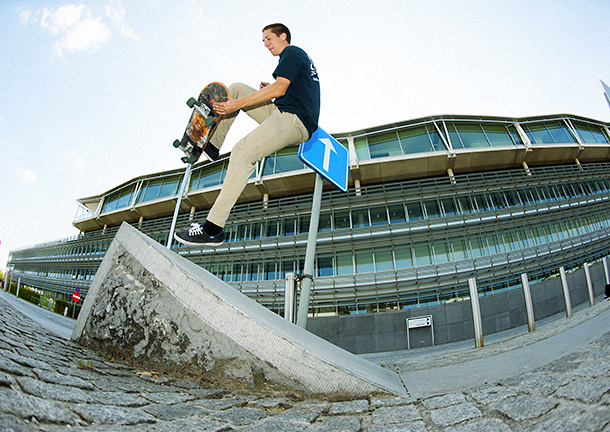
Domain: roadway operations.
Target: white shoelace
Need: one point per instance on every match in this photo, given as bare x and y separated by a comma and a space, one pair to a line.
195, 229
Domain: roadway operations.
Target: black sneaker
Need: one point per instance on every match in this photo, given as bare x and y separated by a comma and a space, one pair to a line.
196, 236
212, 152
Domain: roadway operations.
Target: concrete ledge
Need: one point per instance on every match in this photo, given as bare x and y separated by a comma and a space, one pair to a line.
154, 304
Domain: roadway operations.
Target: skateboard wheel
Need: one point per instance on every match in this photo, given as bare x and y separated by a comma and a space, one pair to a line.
209, 121
183, 159
192, 159
177, 143
191, 102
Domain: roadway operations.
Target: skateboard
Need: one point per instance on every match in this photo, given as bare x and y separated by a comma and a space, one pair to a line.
203, 121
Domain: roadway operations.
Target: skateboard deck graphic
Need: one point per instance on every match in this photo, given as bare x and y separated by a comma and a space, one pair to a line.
203, 121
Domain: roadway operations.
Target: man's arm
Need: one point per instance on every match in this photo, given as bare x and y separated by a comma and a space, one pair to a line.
266, 93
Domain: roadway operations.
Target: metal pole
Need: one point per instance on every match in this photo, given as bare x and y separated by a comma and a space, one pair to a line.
310, 253
605, 261
529, 309
185, 180
589, 284
290, 297
566, 292
476, 313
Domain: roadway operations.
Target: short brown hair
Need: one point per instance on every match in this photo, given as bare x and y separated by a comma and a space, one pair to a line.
278, 29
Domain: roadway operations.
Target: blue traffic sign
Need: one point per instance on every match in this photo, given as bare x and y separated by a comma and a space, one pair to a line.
326, 156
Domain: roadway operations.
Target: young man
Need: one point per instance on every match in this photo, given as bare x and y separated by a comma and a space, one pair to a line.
287, 112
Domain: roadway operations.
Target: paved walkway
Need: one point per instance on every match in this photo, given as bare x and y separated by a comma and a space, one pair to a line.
518, 382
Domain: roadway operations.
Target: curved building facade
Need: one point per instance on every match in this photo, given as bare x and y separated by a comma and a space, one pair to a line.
432, 202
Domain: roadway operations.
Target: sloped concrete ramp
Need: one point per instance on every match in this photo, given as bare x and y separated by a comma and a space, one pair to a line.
154, 304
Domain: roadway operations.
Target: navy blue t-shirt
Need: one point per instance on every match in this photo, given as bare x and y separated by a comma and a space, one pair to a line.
303, 95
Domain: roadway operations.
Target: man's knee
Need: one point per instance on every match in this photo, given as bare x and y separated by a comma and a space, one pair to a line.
238, 89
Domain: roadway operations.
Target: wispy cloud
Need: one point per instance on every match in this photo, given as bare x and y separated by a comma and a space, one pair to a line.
77, 27
116, 12
26, 176
77, 159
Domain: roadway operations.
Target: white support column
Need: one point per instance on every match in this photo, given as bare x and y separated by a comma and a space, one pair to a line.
529, 309
566, 292
606, 272
589, 284
357, 187
290, 297
451, 175
476, 313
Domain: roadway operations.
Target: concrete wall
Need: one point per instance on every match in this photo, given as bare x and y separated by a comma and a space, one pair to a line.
387, 331
149, 304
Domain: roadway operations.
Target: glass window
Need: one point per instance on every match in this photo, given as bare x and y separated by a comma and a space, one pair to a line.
497, 198
472, 135
345, 265
325, 222
432, 209
287, 267
287, 160
384, 260
512, 129
270, 273
151, 191
304, 224
170, 187
269, 165
495, 246
415, 211
364, 262
362, 149
465, 204
251, 272
360, 217
599, 135
397, 213
342, 219
379, 216
538, 134
272, 228
415, 140
480, 201
422, 253
459, 250
456, 142
255, 230
403, 256
325, 266
289, 226
498, 135
559, 132
384, 145
435, 138
209, 176
512, 198
477, 247
449, 206
441, 252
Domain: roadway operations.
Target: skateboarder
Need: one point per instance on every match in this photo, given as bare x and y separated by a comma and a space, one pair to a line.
287, 112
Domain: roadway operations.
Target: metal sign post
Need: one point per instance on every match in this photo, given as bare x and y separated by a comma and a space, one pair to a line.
329, 159
310, 254
185, 180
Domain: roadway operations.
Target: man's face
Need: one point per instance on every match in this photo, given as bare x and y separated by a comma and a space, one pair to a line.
274, 43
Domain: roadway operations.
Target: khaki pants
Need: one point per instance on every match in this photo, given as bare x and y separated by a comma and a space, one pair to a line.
276, 130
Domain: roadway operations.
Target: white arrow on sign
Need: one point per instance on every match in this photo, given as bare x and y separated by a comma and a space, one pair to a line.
328, 147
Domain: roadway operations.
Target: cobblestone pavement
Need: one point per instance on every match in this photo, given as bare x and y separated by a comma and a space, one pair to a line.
50, 384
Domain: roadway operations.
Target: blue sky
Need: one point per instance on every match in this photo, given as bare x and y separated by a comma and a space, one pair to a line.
93, 93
